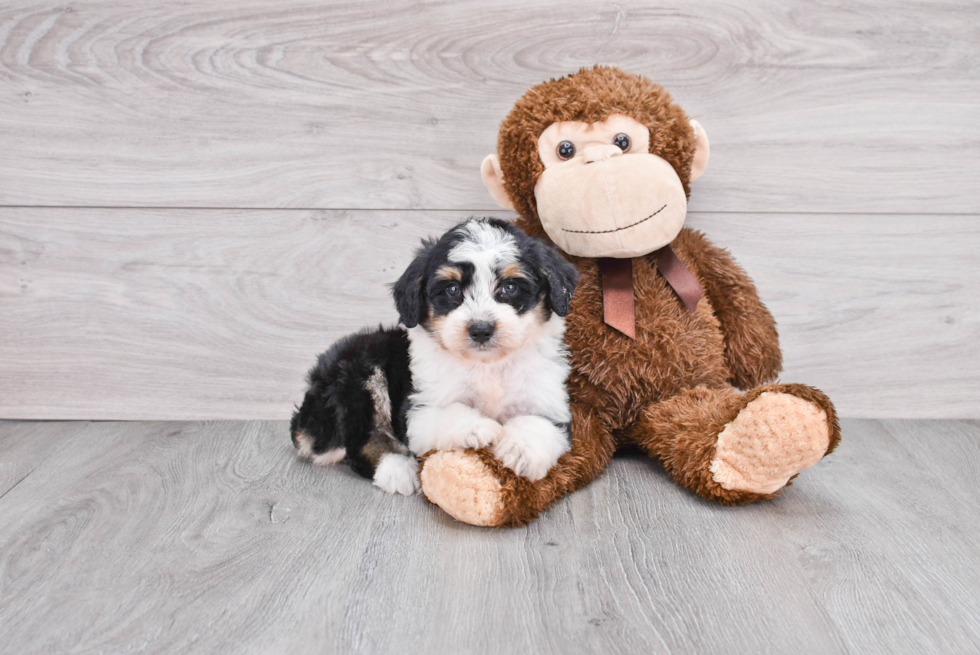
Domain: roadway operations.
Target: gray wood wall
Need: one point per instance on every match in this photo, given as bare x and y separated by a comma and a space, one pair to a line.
195, 198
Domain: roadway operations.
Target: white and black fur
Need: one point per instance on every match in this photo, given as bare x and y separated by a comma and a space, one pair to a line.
352, 411
484, 363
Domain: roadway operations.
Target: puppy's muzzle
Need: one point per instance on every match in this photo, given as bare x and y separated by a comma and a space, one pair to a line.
481, 331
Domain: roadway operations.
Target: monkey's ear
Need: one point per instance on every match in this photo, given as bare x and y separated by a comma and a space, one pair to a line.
409, 288
701, 151
493, 179
562, 278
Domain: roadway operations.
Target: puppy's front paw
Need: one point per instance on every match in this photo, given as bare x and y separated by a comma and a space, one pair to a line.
397, 474
482, 433
530, 446
522, 460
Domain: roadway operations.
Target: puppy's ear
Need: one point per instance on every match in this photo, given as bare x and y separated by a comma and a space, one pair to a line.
561, 275
410, 287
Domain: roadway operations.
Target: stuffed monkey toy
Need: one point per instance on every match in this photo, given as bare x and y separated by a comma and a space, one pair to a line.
671, 349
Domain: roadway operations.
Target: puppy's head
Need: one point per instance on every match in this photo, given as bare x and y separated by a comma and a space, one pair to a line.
484, 289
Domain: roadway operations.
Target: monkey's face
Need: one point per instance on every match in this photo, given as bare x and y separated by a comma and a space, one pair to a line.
599, 183
602, 194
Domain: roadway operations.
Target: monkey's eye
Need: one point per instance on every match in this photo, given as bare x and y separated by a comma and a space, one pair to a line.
453, 291
508, 288
622, 141
566, 150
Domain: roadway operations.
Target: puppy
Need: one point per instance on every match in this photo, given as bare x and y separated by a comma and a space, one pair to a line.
484, 308
482, 363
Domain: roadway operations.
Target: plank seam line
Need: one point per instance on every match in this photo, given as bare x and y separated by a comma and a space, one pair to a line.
84, 423
19, 481
466, 210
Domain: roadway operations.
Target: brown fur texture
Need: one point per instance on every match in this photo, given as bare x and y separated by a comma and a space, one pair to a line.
673, 389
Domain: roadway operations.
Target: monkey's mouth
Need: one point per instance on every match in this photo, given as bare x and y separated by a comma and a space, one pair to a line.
618, 229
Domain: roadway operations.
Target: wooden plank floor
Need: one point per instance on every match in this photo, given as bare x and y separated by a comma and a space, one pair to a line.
212, 538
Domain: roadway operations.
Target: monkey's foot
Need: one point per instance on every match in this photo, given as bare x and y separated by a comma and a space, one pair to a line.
464, 487
774, 437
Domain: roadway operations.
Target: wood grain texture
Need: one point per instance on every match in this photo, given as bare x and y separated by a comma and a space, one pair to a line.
878, 311
213, 538
879, 524
213, 314
25, 445
159, 314
811, 107
957, 459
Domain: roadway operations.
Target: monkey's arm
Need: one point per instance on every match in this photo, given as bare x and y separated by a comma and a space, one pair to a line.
476, 488
751, 342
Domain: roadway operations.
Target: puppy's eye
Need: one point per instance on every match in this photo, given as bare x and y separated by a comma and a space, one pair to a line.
453, 291
566, 150
622, 141
508, 289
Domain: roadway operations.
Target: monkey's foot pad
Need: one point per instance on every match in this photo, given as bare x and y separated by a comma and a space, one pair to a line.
463, 487
775, 437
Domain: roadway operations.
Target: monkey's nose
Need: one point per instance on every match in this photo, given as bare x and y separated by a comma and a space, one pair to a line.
481, 331
592, 154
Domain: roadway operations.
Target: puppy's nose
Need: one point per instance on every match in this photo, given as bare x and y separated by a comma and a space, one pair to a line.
481, 331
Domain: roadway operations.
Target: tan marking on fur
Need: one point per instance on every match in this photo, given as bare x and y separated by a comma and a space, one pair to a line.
511, 271
436, 324
775, 437
449, 273
538, 319
304, 445
451, 333
382, 440
377, 386
380, 444
464, 487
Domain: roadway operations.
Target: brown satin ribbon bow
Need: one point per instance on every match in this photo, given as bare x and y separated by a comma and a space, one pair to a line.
617, 288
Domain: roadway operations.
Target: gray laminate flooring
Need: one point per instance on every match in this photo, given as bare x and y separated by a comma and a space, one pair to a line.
212, 538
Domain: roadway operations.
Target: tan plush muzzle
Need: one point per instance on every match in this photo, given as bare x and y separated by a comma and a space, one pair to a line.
608, 205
